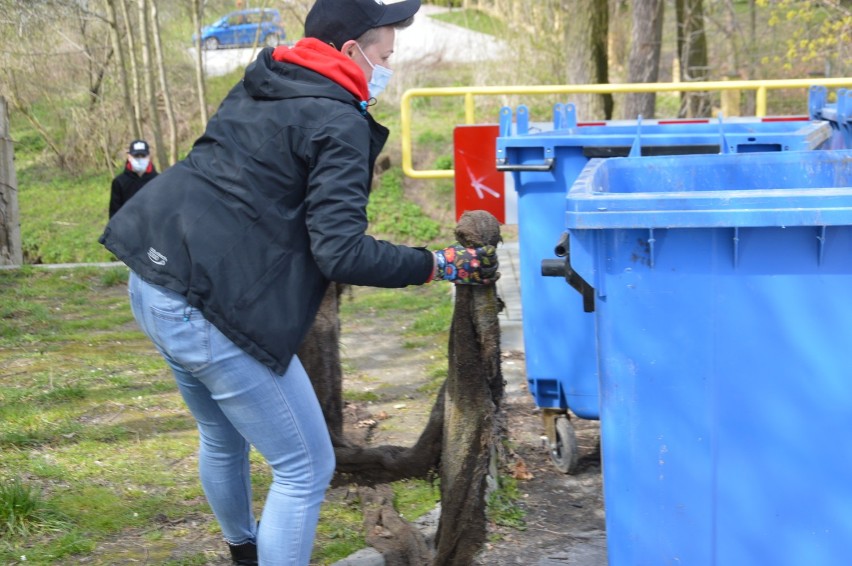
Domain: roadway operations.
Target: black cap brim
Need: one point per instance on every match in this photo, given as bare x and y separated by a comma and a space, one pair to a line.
339, 21
396, 12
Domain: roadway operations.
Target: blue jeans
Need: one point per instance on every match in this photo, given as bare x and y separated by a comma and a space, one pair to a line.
237, 403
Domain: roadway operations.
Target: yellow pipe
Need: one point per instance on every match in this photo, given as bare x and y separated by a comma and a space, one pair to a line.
469, 92
405, 124
760, 103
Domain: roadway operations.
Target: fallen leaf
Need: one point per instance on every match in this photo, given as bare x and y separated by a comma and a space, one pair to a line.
520, 471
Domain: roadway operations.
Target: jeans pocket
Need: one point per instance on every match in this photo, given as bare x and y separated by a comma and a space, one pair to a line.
184, 337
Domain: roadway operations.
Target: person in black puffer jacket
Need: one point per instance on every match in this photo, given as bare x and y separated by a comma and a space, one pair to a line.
231, 251
138, 170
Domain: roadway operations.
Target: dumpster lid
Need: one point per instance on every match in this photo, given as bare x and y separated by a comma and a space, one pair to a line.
788, 132
794, 188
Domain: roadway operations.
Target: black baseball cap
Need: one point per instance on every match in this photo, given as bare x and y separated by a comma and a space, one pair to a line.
338, 21
139, 147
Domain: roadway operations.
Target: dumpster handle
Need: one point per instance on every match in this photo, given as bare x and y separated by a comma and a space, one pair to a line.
562, 268
546, 166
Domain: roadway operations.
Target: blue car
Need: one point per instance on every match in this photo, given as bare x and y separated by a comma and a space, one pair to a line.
246, 27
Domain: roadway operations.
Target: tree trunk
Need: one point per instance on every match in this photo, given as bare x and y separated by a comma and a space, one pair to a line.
199, 64
692, 52
148, 76
618, 36
164, 86
469, 403
398, 541
10, 218
586, 23
134, 71
320, 356
118, 47
644, 61
473, 424
750, 98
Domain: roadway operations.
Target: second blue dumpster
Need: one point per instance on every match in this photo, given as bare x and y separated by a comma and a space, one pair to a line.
558, 335
723, 307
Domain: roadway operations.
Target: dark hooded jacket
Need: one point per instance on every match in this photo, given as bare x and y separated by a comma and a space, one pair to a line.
270, 205
126, 184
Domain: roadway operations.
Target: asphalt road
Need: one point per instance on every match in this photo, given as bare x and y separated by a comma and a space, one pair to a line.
426, 41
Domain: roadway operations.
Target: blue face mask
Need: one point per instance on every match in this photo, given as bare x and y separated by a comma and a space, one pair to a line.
379, 80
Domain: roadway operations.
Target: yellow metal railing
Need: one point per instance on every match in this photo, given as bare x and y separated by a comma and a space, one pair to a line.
761, 87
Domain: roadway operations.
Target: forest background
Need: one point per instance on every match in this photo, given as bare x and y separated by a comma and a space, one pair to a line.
83, 77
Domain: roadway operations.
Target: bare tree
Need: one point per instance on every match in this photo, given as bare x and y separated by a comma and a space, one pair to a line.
121, 63
148, 80
644, 62
164, 86
692, 53
10, 219
586, 23
197, 10
134, 70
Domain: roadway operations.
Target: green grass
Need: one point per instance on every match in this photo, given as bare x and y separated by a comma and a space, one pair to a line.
91, 423
23, 510
391, 214
62, 215
503, 508
475, 20
415, 498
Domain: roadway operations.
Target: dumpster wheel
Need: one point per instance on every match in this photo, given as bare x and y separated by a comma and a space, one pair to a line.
563, 451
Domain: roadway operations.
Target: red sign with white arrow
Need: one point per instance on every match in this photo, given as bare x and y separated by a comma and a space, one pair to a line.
479, 186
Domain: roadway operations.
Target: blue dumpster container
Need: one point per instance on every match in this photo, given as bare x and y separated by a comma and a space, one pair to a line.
558, 335
723, 309
838, 114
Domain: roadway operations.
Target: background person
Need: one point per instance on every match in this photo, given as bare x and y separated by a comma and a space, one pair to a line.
232, 249
138, 170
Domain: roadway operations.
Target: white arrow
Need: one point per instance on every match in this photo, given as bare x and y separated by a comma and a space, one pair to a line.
479, 186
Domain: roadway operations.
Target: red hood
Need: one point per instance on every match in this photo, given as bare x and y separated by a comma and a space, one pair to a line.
324, 59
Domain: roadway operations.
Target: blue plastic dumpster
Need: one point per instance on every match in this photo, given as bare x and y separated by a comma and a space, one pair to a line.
838, 114
723, 309
558, 335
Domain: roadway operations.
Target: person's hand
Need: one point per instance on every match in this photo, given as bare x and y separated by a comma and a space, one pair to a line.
467, 266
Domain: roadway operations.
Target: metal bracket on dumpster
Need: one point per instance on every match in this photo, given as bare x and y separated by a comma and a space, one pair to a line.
723, 142
821, 240
562, 268
636, 148
547, 165
817, 97
505, 122
522, 121
564, 117
522, 126
844, 114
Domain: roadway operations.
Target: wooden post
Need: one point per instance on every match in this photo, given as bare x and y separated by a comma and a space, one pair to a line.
10, 219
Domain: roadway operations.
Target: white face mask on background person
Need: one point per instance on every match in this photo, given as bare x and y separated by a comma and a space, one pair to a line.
380, 77
139, 164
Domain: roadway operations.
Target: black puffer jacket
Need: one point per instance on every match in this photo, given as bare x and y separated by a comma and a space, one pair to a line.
269, 206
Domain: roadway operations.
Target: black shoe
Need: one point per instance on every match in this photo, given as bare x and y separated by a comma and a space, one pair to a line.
244, 554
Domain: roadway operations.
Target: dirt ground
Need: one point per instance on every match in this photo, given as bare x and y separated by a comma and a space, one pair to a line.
564, 513
565, 518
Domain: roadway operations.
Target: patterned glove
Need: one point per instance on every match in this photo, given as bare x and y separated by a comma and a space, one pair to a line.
467, 266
